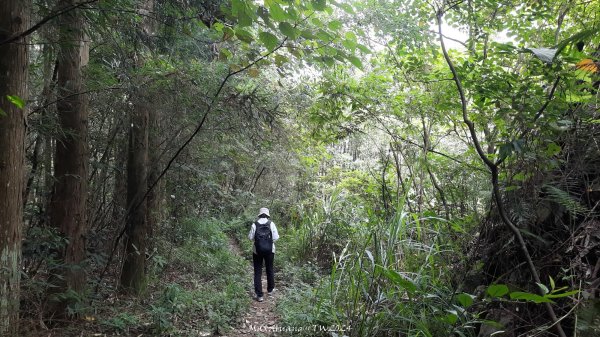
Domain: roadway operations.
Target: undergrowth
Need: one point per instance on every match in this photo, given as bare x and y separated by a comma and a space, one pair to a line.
370, 277
196, 286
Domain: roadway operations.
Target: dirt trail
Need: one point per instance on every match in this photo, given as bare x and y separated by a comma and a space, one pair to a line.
261, 318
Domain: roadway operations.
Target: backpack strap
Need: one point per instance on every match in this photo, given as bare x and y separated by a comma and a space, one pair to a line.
266, 223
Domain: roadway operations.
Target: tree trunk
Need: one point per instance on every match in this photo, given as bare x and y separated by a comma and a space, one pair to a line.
120, 181
133, 273
68, 203
137, 228
37, 158
154, 195
14, 18
434, 181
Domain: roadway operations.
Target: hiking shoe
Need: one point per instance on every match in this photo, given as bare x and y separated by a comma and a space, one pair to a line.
259, 298
271, 291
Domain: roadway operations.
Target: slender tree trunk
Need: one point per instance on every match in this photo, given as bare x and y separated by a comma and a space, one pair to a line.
34, 168
154, 196
67, 209
14, 18
120, 182
385, 195
133, 273
37, 156
405, 189
137, 227
434, 181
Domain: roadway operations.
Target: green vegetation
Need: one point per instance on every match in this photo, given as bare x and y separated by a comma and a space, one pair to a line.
198, 287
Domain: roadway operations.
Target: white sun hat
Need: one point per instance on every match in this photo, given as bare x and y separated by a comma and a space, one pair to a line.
264, 211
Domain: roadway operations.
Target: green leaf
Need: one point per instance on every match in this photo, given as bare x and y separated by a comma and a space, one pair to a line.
288, 30
355, 61
401, 281
244, 20
237, 7
545, 54
329, 51
225, 54
466, 300
228, 33
319, 5
543, 288
551, 150
364, 48
281, 60
268, 40
552, 284
519, 295
506, 150
318, 23
565, 199
324, 36
497, 290
451, 317
2, 113
16, 100
560, 295
297, 52
334, 25
350, 44
277, 13
253, 72
218, 26
504, 48
244, 35
328, 61
264, 14
307, 34
292, 13
581, 36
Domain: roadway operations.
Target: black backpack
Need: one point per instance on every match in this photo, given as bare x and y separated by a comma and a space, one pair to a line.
263, 238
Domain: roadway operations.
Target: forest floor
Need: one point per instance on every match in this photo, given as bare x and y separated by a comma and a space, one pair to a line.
176, 301
261, 318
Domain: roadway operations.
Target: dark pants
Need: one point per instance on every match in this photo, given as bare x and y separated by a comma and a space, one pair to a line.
258, 265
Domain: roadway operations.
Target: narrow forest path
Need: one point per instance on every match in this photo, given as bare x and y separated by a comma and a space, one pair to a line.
261, 318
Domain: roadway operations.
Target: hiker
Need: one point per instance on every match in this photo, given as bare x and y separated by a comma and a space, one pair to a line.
263, 233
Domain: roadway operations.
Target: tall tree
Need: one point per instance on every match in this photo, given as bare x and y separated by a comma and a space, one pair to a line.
67, 208
14, 18
136, 231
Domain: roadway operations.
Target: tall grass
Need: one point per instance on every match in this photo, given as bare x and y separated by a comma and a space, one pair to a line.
386, 277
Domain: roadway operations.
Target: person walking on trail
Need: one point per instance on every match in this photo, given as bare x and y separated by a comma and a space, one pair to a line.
264, 234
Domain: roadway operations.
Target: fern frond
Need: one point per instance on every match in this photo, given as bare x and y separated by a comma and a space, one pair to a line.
563, 198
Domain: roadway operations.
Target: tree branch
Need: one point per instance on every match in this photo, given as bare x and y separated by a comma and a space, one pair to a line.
494, 172
44, 21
